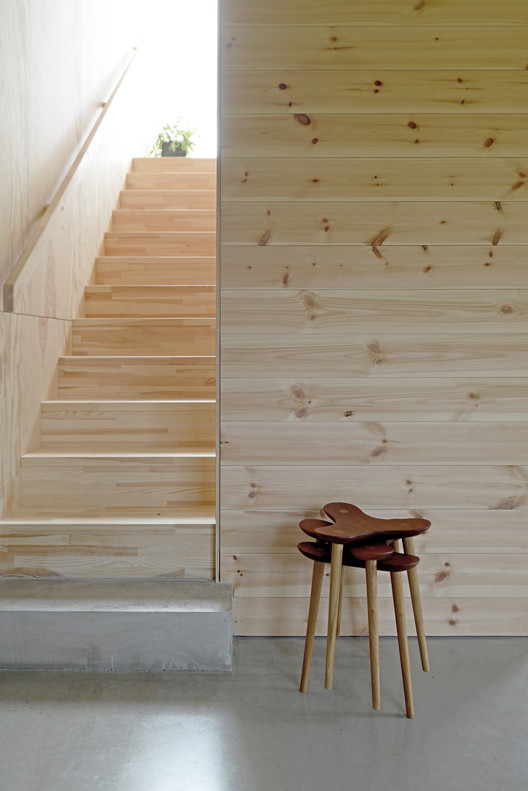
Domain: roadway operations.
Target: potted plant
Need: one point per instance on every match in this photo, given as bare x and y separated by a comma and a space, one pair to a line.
173, 141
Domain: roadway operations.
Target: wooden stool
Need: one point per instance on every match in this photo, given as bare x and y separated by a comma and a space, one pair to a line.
355, 529
371, 558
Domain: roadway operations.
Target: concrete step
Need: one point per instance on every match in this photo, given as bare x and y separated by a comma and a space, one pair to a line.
143, 378
144, 271
115, 625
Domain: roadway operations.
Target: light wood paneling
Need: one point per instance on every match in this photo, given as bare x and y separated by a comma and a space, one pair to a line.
169, 270
149, 300
135, 377
375, 179
381, 12
407, 135
371, 266
375, 224
339, 400
270, 46
375, 90
185, 427
373, 298
170, 181
167, 199
159, 548
328, 314
139, 337
164, 220
125, 243
173, 165
114, 484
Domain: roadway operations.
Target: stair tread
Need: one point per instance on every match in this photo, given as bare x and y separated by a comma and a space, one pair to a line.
19, 518
48, 453
174, 595
116, 402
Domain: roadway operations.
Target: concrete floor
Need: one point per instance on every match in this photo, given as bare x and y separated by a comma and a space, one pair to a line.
251, 729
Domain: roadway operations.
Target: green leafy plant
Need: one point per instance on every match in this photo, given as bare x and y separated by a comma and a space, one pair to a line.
176, 136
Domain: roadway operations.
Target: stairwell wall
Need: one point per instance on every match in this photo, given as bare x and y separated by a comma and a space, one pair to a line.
59, 61
374, 167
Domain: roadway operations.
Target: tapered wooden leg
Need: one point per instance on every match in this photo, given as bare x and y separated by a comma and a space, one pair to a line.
333, 606
372, 606
399, 611
340, 605
412, 574
315, 595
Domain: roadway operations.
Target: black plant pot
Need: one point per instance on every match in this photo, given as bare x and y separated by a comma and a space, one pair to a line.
177, 151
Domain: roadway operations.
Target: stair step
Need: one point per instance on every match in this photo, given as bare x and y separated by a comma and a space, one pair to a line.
103, 484
184, 426
160, 243
173, 165
116, 625
164, 220
140, 337
167, 199
171, 181
137, 377
148, 301
122, 547
169, 270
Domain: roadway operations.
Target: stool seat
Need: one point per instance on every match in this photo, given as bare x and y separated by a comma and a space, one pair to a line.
351, 524
396, 561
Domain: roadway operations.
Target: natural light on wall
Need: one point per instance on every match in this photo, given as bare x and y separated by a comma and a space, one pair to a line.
182, 55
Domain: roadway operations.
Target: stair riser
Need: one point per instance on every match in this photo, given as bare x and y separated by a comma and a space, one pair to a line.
125, 271
67, 486
187, 220
171, 181
150, 301
137, 338
166, 243
167, 199
143, 378
128, 427
173, 165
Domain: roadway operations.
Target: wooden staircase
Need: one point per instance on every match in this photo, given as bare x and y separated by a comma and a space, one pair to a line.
123, 483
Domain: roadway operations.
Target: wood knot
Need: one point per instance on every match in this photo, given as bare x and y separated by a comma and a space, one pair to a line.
441, 576
348, 413
285, 278
473, 396
506, 309
301, 412
496, 237
303, 119
412, 125
455, 608
282, 86
315, 140
378, 83
489, 142
264, 239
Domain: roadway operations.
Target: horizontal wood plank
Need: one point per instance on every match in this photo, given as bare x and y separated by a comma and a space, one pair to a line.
342, 400
373, 91
169, 270
167, 199
381, 355
253, 532
267, 314
269, 46
374, 443
150, 300
382, 12
375, 179
170, 181
173, 165
496, 487
164, 220
443, 617
144, 243
139, 337
374, 224
409, 135
371, 266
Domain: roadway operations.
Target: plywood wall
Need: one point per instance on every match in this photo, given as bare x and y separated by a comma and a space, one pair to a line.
374, 294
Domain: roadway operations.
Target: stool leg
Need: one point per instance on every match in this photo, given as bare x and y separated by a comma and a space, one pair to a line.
340, 605
315, 595
372, 606
399, 612
333, 606
412, 574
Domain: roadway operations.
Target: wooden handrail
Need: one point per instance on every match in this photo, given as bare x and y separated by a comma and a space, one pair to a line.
50, 208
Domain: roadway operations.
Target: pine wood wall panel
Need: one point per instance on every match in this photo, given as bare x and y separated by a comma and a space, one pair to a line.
373, 293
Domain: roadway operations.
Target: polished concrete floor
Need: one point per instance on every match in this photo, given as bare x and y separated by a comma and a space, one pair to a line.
252, 730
